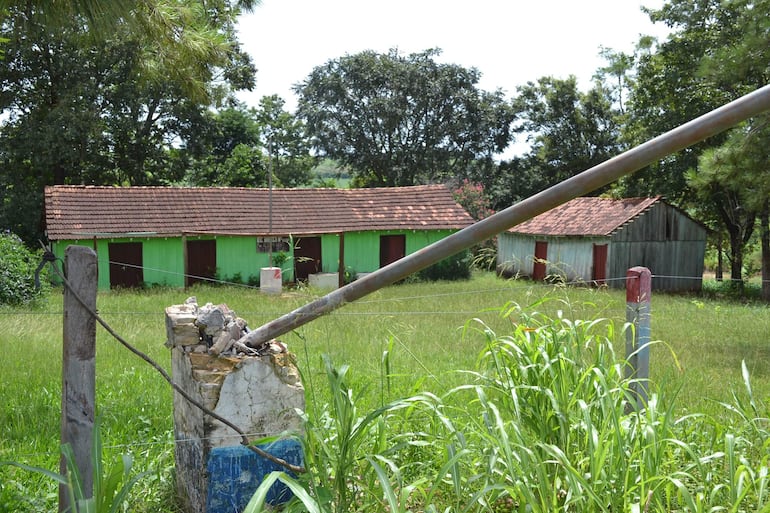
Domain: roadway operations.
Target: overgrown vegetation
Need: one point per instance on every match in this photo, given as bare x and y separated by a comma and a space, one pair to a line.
17, 272
433, 394
542, 424
455, 267
110, 485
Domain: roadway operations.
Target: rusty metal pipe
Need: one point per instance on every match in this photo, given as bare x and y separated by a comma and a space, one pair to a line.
626, 163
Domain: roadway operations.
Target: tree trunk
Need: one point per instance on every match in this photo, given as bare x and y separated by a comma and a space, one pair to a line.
740, 225
736, 256
765, 242
720, 263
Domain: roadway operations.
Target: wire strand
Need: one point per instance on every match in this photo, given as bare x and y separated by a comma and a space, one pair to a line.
244, 439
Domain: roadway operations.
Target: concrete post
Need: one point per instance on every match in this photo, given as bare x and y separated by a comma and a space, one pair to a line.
259, 394
638, 296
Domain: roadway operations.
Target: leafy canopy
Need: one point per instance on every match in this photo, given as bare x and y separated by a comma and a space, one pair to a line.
568, 132
402, 119
83, 106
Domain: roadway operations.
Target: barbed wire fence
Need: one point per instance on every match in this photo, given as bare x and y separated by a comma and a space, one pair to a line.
246, 437
246, 441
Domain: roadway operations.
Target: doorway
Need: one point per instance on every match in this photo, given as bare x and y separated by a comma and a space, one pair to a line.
541, 255
201, 261
392, 248
599, 271
307, 257
125, 264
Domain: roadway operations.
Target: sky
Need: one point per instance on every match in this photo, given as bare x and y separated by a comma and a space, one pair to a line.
510, 42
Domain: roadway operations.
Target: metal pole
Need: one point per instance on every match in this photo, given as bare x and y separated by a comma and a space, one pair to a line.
638, 311
607, 172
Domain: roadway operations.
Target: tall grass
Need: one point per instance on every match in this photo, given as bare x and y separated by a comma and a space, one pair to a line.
543, 424
450, 425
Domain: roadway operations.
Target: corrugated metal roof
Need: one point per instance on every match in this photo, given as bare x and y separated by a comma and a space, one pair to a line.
586, 216
76, 212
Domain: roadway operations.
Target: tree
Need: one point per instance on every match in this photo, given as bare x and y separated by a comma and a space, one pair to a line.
743, 67
225, 151
78, 109
102, 16
618, 74
568, 132
283, 137
717, 53
184, 36
720, 179
237, 146
402, 120
670, 89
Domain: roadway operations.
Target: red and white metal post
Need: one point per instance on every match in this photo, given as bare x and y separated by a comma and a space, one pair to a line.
638, 295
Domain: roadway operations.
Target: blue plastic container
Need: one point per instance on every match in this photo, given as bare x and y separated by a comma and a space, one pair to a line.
235, 473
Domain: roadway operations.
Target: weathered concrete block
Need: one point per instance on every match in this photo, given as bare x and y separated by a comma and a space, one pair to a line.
260, 394
270, 280
212, 319
180, 326
329, 281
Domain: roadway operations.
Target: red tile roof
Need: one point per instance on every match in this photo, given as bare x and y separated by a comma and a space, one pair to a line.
586, 216
77, 212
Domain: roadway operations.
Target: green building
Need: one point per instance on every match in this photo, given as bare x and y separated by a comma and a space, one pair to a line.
176, 236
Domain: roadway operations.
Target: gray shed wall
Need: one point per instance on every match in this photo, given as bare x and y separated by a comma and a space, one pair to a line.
670, 244
570, 257
663, 239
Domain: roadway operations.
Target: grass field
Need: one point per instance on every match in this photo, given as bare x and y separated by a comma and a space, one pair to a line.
428, 331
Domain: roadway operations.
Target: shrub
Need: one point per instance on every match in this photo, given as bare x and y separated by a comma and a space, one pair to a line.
17, 271
455, 267
350, 275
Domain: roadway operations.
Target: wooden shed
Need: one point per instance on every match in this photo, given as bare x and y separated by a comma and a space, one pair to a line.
598, 239
176, 236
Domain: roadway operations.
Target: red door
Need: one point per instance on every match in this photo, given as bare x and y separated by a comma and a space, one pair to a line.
125, 264
599, 272
201, 261
541, 254
392, 247
307, 257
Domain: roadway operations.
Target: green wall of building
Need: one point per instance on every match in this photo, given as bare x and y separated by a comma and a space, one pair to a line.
163, 262
239, 256
163, 258
330, 253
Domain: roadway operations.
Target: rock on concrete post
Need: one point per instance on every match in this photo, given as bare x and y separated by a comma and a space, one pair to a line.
260, 394
638, 296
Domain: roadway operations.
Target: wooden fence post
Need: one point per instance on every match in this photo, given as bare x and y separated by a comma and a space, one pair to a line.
78, 366
638, 295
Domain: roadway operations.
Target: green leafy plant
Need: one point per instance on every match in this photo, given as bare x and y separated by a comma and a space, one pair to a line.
350, 275
111, 485
280, 258
17, 272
